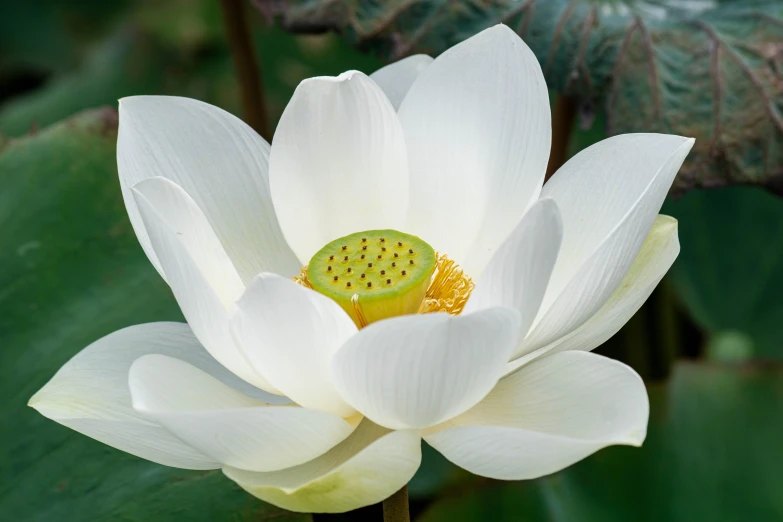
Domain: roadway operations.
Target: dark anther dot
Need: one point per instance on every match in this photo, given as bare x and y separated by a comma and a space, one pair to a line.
364, 247
369, 284
410, 262
345, 258
388, 281
399, 243
383, 272
349, 270
331, 258
329, 268
363, 276
383, 249
396, 254
380, 256
394, 265
345, 247
383, 240
410, 250
369, 265
362, 256
348, 284
364, 240
404, 272
336, 278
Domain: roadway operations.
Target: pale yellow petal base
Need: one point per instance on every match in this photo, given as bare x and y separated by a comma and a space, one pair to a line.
365, 469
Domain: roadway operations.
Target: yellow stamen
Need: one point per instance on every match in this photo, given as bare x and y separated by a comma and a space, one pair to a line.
449, 290
302, 278
362, 320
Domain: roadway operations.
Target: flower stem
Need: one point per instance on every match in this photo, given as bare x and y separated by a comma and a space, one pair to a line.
247, 69
563, 118
395, 508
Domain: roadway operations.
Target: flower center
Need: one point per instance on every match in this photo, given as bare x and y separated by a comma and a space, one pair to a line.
374, 274
378, 274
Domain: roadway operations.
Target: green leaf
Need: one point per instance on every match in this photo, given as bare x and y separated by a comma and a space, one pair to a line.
71, 271
436, 475
712, 453
730, 268
129, 62
705, 69
43, 36
151, 54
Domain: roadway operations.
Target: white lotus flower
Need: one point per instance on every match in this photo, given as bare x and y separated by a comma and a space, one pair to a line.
282, 386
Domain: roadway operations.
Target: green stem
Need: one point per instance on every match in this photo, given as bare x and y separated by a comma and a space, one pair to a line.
247, 69
563, 118
395, 508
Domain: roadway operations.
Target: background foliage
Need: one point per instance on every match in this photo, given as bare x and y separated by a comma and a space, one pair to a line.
705, 68
710, 341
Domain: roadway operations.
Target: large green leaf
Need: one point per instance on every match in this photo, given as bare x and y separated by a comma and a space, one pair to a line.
706, 69
42, 36
176, 48
730, 268
712, 453
127, 63
71, 271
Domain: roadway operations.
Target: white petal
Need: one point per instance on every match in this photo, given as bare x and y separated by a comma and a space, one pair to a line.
477, 125
199, 272
656, 256
338, 163
608, 195
230, 427
418, 370
396, 79
177, 210
290, 333
90, 393
219, 161
518, 273
366, 468
550, 414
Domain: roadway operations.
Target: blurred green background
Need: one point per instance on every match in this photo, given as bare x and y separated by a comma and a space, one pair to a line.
709, 342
